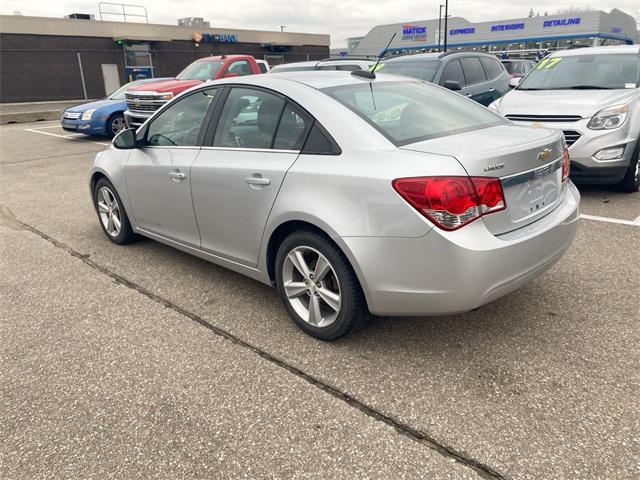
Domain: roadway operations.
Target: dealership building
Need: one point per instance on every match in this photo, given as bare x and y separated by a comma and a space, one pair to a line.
68, 58
519, 37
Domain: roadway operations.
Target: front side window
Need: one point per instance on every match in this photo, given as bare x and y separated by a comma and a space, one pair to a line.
420, 69
585, 72
453, 71
179, 124
200, 70
408, 112
473, 70
249, 119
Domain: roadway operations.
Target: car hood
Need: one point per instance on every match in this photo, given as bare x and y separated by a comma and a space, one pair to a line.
173, 85
585, 103
94, 105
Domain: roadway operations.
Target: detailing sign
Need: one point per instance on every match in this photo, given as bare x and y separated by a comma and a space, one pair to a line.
198, 37
414, 33
564, 22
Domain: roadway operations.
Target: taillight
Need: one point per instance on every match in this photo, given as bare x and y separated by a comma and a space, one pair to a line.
452, 202
566, 163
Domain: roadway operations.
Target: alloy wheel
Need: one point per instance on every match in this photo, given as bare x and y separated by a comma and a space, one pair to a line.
117, 124
311, 286
109, 211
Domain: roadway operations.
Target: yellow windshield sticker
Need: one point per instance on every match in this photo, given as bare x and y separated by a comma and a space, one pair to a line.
547, 63
378, 67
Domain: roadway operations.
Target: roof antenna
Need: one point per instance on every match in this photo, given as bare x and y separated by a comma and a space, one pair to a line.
371, 73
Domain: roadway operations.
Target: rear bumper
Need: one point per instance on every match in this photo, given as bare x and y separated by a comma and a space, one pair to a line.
450, 272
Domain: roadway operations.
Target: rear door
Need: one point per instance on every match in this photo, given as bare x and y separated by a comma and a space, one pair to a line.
497, 76
478, 88
251, 143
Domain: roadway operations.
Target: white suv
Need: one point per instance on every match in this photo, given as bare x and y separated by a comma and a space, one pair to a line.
593, 96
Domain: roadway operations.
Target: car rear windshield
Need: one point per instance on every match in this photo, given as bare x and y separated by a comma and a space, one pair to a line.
421, 69
412, 111
200, 70
585, 72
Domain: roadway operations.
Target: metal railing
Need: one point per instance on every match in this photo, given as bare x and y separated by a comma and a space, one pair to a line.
124, 13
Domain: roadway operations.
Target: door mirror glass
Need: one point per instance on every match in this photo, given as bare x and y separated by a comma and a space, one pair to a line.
126, 139
514, 81
452, 85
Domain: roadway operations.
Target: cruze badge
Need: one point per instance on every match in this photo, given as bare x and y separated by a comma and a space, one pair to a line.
497, 166
544, 154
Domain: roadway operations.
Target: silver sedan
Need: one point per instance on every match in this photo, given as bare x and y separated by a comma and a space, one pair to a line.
350, 195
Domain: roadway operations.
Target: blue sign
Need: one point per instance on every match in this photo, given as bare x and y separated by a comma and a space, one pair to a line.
564, 22
214, 37
414, 32
616, 29
507, 26
462, 31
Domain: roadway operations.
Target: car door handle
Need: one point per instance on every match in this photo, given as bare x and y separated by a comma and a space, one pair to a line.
257, 180
492, 89
177, 175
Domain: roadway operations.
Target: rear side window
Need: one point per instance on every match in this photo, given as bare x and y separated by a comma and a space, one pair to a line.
262, 67
492, 66
348, 68
473, 70
291, 130
326, 67
319, 142
240, 68
453, 71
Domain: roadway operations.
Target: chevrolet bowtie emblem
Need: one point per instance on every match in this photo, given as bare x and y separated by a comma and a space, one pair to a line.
544, 154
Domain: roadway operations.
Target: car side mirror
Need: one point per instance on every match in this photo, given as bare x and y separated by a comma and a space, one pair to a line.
230, 75
126, 139
452, 85
514, 81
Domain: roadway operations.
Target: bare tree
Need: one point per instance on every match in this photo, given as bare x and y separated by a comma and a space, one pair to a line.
573, 9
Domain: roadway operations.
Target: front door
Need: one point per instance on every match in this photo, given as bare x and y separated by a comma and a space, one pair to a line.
235, 180
158, 173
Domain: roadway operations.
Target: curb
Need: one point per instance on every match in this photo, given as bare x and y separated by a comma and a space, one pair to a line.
27, 117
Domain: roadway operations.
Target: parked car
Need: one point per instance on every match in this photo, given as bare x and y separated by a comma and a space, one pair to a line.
593, 96
102, 117
144, 100
349, 195
263, 65
518, 68
344, 64
479, 76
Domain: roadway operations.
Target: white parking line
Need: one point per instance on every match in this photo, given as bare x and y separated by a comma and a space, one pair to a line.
619, 221
73, 136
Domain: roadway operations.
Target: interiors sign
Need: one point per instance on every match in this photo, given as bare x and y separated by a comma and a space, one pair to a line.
414, 33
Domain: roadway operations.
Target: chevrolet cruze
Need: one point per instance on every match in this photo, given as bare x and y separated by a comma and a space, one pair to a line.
593, 96
349, 194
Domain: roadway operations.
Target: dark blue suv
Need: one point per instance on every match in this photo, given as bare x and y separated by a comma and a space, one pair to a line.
479, 76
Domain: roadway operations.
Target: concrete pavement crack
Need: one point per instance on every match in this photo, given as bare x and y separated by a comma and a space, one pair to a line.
414, 434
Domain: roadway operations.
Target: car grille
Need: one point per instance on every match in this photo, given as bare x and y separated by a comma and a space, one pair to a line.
72, 115
571, 136
144, 103
543, 118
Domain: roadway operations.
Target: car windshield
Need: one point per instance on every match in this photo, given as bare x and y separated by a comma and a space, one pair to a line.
421, 69
200, 70
408, 112
586, 72
119, 93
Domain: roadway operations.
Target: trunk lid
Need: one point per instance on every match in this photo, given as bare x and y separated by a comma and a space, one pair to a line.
528, 162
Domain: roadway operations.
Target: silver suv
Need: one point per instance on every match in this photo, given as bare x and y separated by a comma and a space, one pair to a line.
593, 96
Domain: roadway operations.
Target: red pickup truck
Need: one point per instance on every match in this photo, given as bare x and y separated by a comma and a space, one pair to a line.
144, 100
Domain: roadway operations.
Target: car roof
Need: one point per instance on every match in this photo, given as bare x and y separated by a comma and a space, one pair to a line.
510, 60
437, 55
298, 64
597, 50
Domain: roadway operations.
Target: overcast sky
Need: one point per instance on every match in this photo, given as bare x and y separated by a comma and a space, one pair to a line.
339, 18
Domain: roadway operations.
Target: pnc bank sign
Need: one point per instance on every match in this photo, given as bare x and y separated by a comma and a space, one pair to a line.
414, 33
198, 37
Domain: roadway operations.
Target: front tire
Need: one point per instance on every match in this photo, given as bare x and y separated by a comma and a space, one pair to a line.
111, 214
631, 181
318, 286
115, 124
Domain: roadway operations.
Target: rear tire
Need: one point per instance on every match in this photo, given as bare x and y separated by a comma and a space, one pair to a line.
326, 302
631, 181
111, 214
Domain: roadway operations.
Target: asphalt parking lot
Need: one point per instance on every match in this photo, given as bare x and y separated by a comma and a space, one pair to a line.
142, 361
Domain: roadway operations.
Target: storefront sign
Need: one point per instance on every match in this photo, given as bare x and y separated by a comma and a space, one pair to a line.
414, 32
214, 37
564, 22
462, 31
507, 26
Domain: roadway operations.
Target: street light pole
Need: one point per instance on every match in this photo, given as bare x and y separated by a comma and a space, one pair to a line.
282, 27
446, 18
440, 27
